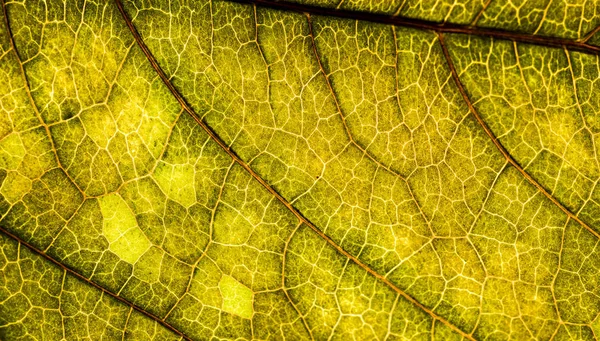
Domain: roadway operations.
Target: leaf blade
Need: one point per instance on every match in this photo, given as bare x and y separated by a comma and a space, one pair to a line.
202, 208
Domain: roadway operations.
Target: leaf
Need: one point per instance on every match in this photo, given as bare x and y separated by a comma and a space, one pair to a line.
299, 170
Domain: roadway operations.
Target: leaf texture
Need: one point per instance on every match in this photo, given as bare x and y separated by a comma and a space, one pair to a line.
199, 170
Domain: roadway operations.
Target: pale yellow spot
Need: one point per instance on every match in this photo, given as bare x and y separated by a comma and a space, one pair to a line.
177, 182
15, 186
99, 125
237, 298
12, 152
121, 229
154, 132
136, 145
130, 116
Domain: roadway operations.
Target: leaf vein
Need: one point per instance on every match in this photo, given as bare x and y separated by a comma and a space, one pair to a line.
501, 148
244, 165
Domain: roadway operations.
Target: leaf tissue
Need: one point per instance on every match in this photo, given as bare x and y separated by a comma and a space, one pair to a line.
299, 170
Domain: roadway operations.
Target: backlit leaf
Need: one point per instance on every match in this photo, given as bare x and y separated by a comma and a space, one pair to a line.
203, 170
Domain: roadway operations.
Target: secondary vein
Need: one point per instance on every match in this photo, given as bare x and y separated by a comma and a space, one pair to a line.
499, 145
242, 163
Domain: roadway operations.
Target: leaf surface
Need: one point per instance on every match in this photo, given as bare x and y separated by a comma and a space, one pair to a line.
299, 170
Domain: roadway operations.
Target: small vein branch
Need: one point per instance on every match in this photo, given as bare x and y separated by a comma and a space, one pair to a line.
500, 147
86, 280
239, 161
589, 35
480, 13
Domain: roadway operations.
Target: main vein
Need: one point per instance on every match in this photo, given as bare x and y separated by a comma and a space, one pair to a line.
571, 44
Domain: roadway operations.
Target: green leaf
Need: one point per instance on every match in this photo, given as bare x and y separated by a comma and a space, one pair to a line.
194, 170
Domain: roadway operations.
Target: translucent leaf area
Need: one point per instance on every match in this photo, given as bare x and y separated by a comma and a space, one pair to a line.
299, 170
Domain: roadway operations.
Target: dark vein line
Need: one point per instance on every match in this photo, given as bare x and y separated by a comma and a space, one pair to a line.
500, 147
81, 277
480, 13
49, 135
30, 97
351, 138
238, 160
400, 8
590, 34
543, 20
426, 25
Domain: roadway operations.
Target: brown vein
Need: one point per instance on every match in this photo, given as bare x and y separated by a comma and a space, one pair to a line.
81, 277
480, 13
237, 159
590, 34
427, 25
348, 133
30, 97
501, 148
